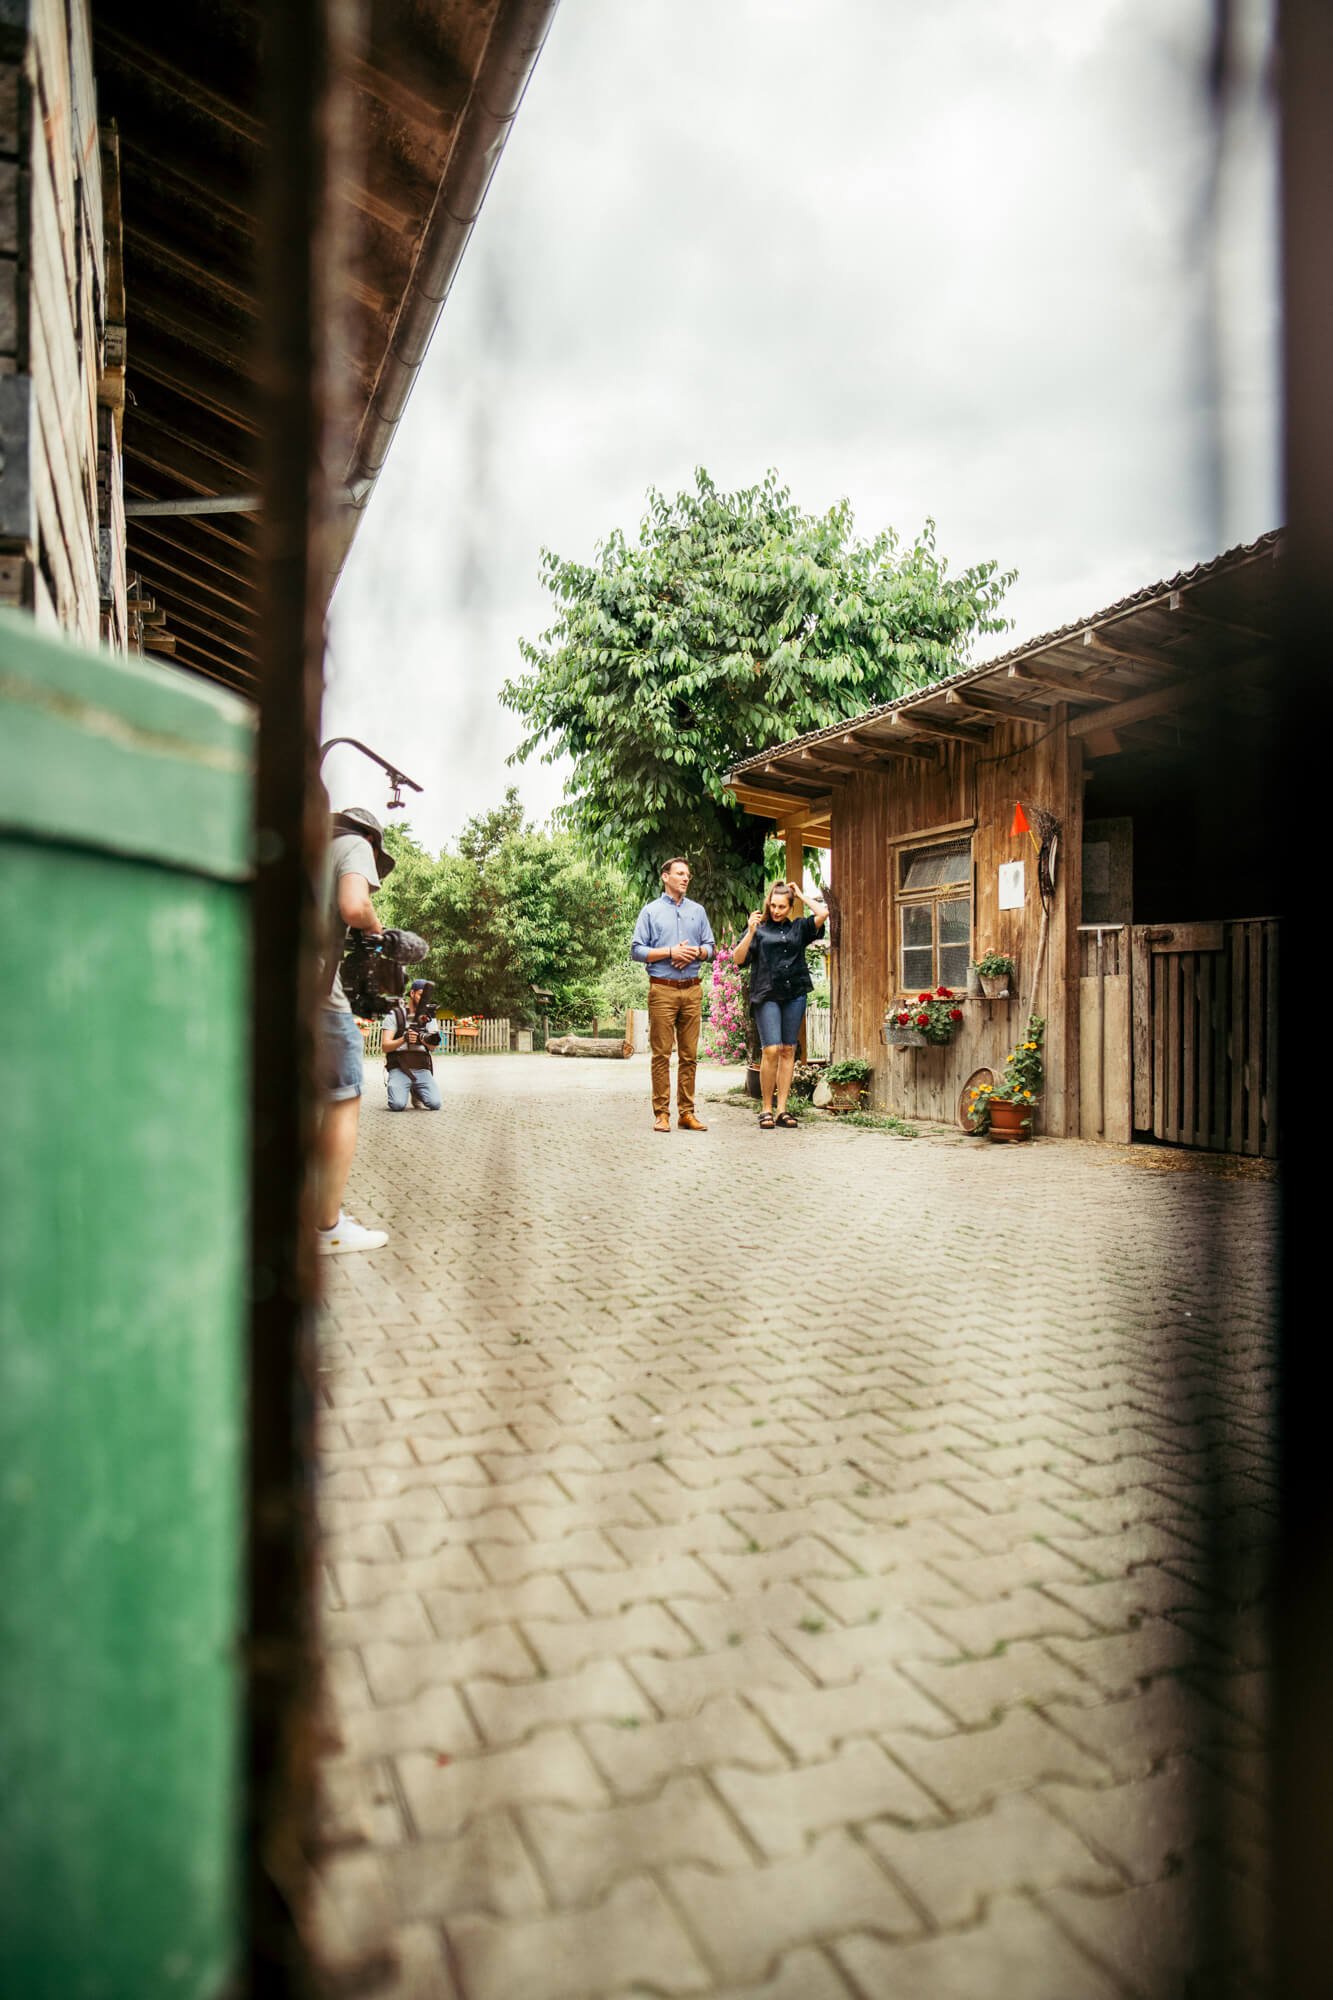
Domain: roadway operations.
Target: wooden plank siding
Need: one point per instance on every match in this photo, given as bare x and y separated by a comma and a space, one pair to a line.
969, 789
57, 511
1106, 1110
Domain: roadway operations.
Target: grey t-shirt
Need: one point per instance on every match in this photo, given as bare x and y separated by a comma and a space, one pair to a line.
349, 854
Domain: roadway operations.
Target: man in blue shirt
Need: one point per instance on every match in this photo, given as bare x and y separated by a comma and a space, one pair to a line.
673, 939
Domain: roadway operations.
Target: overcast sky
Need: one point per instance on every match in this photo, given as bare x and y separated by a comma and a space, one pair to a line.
986, 263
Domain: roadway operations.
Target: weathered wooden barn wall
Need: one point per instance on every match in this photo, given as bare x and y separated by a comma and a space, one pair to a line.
968, 789
52, 321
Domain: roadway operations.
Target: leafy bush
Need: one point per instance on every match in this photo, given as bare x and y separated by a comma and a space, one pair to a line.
853, 1069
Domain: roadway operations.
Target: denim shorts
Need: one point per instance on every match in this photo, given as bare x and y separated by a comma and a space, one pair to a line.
779, 1021
339, 1055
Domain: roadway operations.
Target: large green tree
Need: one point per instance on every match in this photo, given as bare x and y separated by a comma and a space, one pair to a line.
734, 621
512, 908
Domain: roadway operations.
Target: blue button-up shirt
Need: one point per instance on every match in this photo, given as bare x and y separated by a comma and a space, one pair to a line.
667, 922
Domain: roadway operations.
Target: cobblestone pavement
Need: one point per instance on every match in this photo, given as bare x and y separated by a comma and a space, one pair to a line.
796, 1564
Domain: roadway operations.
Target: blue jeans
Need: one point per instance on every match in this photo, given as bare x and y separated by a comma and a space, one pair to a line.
779, 1021
339, 1054
406, 1084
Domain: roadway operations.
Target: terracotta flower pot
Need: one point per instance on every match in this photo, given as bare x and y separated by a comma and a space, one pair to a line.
1010, 1124
995, 985
845, 1096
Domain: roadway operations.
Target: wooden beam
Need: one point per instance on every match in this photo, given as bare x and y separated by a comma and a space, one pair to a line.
930, 725
137, 59
197, 384
826, 764
173, 535
999, 705
798, 780
162, 565
399, 92
227, 649
835, 758
213, 454
152, 459
880, 751
177, 588
777, 805
1143, 707
1064, 681
1211, 623
201, 333
1138, 651
224, 197
151, 247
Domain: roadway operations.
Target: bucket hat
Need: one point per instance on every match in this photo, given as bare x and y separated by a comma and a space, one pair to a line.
357, 819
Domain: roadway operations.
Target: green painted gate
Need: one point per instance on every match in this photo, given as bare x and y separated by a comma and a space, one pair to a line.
124, 858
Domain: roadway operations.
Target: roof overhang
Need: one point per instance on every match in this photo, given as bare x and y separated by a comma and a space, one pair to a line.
1136, 675
434, 90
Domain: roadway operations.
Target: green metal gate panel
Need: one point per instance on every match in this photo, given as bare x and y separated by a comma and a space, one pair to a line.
124, 835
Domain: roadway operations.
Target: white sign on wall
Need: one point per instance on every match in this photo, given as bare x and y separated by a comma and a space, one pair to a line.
1011, 885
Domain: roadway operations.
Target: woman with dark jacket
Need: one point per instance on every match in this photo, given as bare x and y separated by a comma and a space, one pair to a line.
774, 947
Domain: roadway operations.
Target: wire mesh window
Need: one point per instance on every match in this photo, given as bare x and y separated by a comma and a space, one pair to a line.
935, 915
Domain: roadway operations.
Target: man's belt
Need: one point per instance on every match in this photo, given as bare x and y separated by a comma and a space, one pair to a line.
660, 979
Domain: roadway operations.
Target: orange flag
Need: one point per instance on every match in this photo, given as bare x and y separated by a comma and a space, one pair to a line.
1020, 824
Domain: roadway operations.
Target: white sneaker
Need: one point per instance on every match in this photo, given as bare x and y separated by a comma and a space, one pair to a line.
347, 1235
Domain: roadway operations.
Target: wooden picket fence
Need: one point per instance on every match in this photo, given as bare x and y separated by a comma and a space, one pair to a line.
486, 1036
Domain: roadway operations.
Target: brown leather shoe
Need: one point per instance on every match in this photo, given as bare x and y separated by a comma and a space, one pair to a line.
689, 1123
662, 1123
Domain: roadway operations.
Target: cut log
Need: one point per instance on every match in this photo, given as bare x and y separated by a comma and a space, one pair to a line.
587, 1045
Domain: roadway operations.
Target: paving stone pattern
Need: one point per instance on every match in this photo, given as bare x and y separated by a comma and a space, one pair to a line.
790, 1566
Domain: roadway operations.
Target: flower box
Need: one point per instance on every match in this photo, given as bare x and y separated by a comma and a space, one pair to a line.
928, 1021
903, 1038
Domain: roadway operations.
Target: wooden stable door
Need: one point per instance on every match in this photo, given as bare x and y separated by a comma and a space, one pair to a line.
1204, 1026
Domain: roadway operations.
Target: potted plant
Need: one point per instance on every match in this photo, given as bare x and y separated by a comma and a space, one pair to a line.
995, 971
1004, 1111
804, 1077
847, 1083
927, 1021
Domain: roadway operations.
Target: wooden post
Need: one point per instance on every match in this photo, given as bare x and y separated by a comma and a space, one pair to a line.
794, 867
299, 279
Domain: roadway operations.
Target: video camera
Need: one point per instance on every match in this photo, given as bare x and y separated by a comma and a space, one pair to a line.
421, 1021
373, 967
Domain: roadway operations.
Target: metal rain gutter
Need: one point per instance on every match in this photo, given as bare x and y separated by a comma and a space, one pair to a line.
517, 37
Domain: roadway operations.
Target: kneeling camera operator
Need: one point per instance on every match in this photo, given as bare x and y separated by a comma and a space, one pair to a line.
410, 1031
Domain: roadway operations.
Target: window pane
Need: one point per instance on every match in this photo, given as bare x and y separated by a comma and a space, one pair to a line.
956, 921
918, 927
935, 867
953, 965
917, 969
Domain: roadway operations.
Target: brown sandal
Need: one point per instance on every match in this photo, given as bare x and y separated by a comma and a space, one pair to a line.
765, 1121
785, 1118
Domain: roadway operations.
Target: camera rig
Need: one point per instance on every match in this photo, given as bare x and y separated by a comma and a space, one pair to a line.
373, 967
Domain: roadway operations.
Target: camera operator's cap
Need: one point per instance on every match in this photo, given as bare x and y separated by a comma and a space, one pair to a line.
417, 984
356, 819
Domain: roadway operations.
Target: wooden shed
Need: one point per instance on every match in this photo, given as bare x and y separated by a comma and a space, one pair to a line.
1139, 908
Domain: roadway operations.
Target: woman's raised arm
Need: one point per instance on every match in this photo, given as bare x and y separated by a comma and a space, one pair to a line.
742, 951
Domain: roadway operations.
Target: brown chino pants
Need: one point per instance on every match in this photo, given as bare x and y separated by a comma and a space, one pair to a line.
674, 1014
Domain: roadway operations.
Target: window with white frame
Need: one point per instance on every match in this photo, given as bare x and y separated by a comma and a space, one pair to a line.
934, 915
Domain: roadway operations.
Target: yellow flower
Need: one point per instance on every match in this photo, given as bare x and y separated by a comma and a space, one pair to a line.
1029, 1045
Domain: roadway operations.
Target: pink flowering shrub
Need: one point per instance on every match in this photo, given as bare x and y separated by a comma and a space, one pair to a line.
729, 1014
